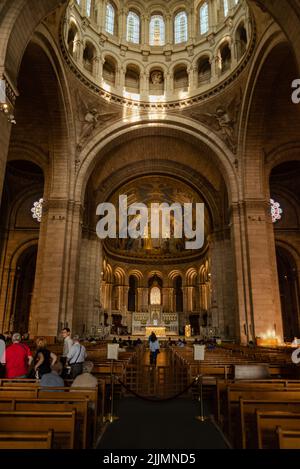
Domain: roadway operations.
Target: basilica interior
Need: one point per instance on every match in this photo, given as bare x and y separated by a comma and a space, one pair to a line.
164, 102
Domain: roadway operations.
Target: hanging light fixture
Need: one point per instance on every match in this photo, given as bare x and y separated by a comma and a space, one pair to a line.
4, 106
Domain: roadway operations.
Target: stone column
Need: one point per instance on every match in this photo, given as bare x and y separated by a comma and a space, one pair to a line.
57, 268
169, 29
7, 286
145, 31
144, 86
5, 129
191, 24
139, 300
102, 15
257, 279
223, 299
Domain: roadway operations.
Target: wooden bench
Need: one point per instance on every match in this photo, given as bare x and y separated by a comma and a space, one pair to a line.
28, 440
263, 393
267, 423
62, 424
55, 393
221, 407
82, 437
288, 439
247, 421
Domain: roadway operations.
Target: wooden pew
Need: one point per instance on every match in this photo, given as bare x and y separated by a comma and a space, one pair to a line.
55, 393
236, 393
267, 423
247, 424
288, 439
82, 438
26, 440
62, 424
222, 385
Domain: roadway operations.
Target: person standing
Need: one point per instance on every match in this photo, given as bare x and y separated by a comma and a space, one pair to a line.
68, 342
44, 359
76, 357
154, 348
18, 358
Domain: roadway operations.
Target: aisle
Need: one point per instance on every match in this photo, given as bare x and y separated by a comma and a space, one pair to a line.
167, 425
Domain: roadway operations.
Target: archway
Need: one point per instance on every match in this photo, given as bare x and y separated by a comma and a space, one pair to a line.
23, 289
289, 293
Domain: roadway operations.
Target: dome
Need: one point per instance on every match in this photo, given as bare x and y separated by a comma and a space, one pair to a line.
157, 52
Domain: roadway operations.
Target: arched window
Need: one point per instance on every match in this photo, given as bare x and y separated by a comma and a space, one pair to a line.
110, 19
155, 296
181, 27
226, 7
133, 27
88, 8
157, 30
204, 18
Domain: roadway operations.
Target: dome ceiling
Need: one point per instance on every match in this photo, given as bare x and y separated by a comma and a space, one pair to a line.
157, 52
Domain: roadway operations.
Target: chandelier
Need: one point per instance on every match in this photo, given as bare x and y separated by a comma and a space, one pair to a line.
276, 211
37, 210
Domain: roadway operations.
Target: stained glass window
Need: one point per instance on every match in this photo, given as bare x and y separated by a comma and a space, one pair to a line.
157, 31
37, 210
226, 7
133, 28
276, 211
181, 27
155, 296
88, 7
204, 19
110, 19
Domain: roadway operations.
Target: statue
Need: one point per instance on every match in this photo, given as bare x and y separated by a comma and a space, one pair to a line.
157, 77
92, 118
223, 121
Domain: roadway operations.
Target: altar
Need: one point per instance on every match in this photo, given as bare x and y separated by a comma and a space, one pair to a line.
159, 331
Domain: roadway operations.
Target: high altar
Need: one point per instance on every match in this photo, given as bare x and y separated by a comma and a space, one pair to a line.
155, 320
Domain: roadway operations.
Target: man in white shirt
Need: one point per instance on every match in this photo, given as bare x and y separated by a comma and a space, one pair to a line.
68, 342
76, 357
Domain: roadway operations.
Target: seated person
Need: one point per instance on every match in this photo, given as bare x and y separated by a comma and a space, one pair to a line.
86, 379
53, 379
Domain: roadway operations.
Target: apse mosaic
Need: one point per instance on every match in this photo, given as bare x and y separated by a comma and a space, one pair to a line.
152, 190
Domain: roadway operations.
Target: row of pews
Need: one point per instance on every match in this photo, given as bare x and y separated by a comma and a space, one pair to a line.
263, 414
32, 417
255, 392
222, 362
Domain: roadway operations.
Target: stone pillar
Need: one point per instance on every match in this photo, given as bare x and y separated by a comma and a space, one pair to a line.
123, 24
165, 298
6, 298
257, 279
5, 130
191, 24
169, 29
144, 86
223, 298
145, 30
101, 15
139, 299
57, 268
